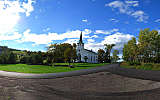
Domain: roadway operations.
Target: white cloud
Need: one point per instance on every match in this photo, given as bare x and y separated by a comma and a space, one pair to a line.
37, 39
73, 37
10, 11
12, 36
28, 7
126, 7
106, 31
132, 3
114, 20
90, 40
101, 32
94, 36
71, 41
48, 38
140, 15
85, 20
94, 46
118, 38
123, 8
158, 20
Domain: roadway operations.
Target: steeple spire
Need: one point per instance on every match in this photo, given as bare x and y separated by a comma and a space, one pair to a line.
80, 41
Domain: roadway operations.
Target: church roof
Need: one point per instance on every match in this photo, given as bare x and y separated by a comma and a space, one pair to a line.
90, 51
80, 40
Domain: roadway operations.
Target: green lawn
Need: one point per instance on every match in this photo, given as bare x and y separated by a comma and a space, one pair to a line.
143, 66
36, 69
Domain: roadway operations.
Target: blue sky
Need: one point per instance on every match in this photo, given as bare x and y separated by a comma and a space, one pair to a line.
35, 24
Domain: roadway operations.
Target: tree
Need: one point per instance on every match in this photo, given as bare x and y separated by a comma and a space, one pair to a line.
56, 52
148, 45
133, 50
147, 50
101, 55
4, 55
74, 54
125, 53
108, 48
115, 57
12, 58
68, 55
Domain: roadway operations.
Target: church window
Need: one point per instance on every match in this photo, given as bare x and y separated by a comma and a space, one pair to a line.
91, 58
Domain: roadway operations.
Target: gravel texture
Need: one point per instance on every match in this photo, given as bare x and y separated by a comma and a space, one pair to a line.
97, 86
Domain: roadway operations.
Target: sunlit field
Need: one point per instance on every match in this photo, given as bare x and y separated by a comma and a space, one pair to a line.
37, 69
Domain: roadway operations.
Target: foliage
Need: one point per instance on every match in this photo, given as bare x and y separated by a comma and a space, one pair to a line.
7, 57
62, 52
108, 48
68, 55
12, 58
145, 66
115, 57
32, 58
101, 56
147, 50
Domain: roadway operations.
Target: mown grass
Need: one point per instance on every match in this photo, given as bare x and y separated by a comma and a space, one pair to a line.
147, 66
37, 69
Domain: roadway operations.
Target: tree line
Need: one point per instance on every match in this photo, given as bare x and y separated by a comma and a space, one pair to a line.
146, 49
56, 53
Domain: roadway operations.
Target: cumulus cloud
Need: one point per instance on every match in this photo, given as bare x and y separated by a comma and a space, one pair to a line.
10, 11
126, 7
118, 38
28, 7
37, 39
13, 36
94, 46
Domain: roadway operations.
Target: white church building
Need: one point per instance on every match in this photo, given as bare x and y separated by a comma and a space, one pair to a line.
85, 55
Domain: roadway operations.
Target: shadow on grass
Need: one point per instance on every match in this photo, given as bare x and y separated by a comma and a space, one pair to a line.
6, 64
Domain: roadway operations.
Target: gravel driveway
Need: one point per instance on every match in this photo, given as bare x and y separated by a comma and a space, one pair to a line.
97, 86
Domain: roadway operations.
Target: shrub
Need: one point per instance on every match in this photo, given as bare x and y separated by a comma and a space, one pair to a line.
137, 63
148, 65
133, 63
130, 63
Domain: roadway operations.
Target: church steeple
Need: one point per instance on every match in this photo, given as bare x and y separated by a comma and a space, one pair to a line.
80, 41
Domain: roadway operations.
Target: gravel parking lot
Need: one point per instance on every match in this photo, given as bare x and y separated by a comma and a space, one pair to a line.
97, 86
